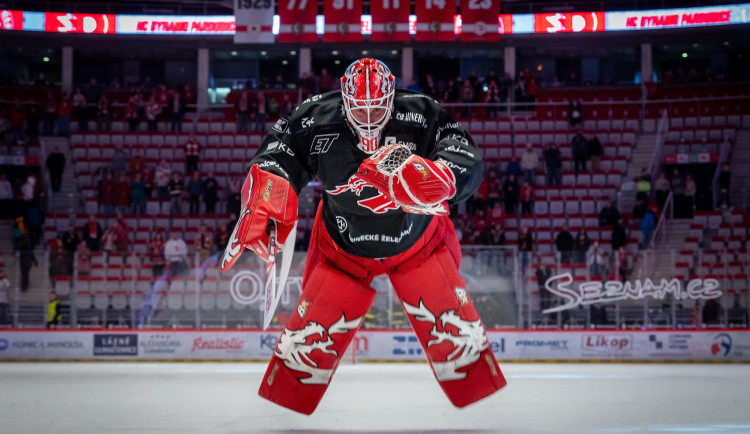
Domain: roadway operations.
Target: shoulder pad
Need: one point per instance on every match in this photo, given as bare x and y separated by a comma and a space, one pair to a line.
316, 110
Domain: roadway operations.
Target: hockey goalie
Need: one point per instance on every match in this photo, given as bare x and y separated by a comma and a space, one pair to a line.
391, 163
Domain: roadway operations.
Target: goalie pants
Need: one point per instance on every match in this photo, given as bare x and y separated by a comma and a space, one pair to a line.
336, 295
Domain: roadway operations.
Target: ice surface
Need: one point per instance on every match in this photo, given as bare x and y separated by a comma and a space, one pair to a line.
222, 398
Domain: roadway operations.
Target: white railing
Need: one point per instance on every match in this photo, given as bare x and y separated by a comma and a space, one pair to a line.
667, 213
656, 158
726, 147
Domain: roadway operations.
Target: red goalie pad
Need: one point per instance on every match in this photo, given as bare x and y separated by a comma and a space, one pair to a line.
447, 325
265, 197
336, 296
330, 310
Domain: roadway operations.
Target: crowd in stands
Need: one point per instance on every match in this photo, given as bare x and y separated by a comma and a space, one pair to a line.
58, 113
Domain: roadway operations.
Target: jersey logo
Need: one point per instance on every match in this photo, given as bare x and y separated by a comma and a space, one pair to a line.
467, 337
341, 223
277, 146
281, 125
422, 170
295, 347
307, 122
322, 143
379, 204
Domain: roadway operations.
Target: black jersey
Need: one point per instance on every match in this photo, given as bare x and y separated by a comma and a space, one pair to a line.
316, 140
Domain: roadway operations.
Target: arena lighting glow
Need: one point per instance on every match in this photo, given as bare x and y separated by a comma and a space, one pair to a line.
559, 22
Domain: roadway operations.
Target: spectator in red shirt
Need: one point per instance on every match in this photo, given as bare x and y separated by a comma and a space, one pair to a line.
162, 96
17, 122
497, 214
64, 110
527, 198
192, 154
107, 194
122, 194
155, 254
177, 108
131, 114
103, 114
50, 115
79, 106
92, 234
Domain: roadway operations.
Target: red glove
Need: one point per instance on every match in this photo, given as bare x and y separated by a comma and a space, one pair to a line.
416, 184
265, 197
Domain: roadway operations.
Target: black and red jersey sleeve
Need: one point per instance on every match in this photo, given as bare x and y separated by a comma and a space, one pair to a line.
283, 151
454, 146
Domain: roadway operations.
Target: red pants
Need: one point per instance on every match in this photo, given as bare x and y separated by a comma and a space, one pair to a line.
336, 295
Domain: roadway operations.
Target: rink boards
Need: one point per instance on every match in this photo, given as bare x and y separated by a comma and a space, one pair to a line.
377, 345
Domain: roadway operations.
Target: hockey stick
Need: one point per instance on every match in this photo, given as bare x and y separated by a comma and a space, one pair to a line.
273, 292
268, 306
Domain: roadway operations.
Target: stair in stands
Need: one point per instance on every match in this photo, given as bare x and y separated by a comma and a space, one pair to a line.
66, 200
641, 157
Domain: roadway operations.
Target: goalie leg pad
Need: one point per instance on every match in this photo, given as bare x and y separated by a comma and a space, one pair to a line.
447, 325
331, 309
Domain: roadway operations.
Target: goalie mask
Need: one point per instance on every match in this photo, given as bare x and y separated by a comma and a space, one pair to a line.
367, 88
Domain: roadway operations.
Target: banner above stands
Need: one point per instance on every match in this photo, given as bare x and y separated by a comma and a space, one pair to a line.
254, 21
378, 345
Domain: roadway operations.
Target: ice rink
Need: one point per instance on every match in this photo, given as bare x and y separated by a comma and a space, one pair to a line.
221, 398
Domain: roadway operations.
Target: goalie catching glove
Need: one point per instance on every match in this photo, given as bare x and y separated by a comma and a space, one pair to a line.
416, 184
265, 197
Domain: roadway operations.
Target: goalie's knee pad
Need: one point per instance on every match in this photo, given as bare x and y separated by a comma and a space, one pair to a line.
330, 310
447, 325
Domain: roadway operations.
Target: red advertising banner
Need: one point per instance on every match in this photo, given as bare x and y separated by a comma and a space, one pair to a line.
479, 20
435, 20
505, 21
11, 20
343, 20
79, 23
297, 21
573, 22
390, 20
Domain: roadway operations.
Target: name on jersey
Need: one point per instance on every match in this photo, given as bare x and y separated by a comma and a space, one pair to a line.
311, 99
274, 164
412, 117
381, 238
459, 150
452, 165
445, 127
391, 140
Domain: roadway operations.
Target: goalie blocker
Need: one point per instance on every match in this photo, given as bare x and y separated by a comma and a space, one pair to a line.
336, 296
265, 197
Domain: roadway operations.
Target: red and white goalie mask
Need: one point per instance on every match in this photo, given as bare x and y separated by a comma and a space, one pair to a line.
368, 88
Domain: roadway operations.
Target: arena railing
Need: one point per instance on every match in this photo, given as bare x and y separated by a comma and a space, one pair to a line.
492, 275
726, 148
